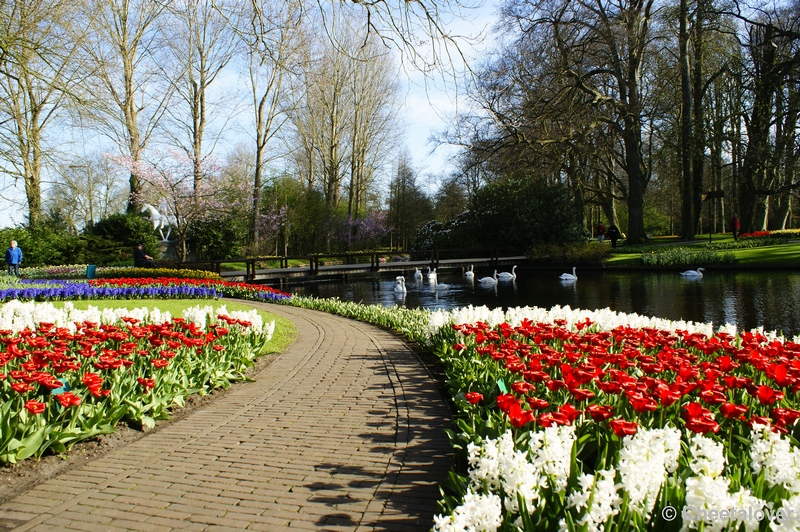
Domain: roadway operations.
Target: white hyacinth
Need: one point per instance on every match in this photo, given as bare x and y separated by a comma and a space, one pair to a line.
551, 453
775, 456
599, 495
17, 315
478, 513
787, 518
645, 460
708, 456
706, 497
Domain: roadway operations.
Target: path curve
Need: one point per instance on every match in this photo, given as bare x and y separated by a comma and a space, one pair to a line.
342, 431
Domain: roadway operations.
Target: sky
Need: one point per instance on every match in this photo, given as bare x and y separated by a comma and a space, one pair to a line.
433, 99
430, 102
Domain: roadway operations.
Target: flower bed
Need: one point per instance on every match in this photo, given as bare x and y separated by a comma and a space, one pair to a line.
574, 420
78, 271
68, 375
137, 288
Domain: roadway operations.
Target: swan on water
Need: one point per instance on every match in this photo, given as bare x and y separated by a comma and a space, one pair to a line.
694, 274
569, 276
417, 274
432, 276
505, 276
400, 284
469, 274
442, 286
489, 280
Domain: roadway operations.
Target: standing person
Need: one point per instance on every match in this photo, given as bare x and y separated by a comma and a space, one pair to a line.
613, 235
13, 258
601, 232
141, 259
735, 226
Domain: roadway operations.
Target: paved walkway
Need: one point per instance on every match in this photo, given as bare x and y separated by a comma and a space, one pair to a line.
343, 431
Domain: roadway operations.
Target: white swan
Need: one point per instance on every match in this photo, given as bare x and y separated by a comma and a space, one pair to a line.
432, 276
505, 276
569, 276
489, 280
417, 274
469, 274
693, 274
442, 286
400, 284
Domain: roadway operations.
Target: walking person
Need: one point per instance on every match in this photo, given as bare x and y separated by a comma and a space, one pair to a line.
613, 235
601, 232
13, 258
735, 226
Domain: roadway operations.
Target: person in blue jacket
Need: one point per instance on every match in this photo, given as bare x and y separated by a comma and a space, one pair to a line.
13, 258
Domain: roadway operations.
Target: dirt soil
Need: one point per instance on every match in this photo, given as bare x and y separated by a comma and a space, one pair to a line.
15, 479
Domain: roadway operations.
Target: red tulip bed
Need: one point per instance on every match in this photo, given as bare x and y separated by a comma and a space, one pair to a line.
572, 424
62, 382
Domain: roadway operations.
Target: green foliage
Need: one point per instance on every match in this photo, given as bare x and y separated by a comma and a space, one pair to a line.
747, 243
655, 221
518, 212
525, 212
574, 253
685, 256
43, 245
457, 233
222, 239
121, 232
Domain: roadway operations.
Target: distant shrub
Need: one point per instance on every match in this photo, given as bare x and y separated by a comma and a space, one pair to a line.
574, 253
685, 256
112, 273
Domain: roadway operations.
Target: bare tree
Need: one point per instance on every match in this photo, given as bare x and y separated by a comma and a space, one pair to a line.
127, 96
37, 75
86, 190
269, 32
202, 44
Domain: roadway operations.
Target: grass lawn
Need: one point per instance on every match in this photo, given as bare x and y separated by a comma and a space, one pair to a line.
283, 336
777, 256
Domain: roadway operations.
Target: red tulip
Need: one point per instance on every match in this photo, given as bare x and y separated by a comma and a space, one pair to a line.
522, 387
34, 407
785, 416
518, 416
767, 395
600, 412
68, 399
713, 397
702, 425
732, 411
581, 394
473, 397
623, 428
536, 403
570, 412
642, 403
504, 401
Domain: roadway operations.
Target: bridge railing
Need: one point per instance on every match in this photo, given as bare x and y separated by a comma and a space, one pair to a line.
433, 258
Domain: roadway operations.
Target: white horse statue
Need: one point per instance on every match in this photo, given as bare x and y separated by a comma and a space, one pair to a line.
160, 221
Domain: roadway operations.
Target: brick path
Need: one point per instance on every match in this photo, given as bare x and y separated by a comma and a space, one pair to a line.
343, 431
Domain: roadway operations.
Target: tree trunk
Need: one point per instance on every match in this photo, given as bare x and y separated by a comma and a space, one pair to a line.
687, 182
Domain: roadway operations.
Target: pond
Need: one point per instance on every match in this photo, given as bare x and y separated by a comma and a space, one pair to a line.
746, 299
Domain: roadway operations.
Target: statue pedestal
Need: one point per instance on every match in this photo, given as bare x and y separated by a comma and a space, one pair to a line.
168, 250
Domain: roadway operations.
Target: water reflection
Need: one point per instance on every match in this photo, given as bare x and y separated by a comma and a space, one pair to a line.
747, 300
